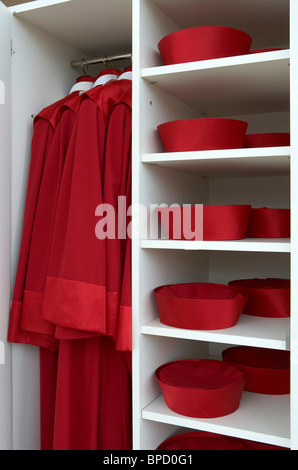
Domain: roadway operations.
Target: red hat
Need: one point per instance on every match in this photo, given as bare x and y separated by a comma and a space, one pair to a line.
269, 139
219, 222
202, 134
269, 223
267, 370
202, 43
199, 306
267, 49
267, 297
198, 440
201, 388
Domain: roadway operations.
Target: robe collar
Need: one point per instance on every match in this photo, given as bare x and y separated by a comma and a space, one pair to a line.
83, 84
126, 74
106, 76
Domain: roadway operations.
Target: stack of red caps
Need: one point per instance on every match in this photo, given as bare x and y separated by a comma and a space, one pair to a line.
267, 371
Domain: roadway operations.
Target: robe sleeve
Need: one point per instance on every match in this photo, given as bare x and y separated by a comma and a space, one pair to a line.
41, 142
117, 184
43, 229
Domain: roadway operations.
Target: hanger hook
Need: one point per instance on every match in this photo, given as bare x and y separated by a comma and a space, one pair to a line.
104, 60
82, 67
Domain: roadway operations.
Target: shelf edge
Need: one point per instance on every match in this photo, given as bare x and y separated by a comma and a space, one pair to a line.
268, 152
242, 245
248, 59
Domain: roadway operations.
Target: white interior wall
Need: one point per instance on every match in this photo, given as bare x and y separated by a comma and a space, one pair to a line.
5, 205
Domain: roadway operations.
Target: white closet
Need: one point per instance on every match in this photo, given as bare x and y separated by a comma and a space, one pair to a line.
38, 41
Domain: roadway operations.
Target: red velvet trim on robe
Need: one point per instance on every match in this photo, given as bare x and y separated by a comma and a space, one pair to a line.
73, 298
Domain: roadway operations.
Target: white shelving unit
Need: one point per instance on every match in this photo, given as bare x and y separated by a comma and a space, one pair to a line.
261, 89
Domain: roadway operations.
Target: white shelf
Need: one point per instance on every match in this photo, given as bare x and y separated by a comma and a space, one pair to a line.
268, 161
282, 56
242, 85
86, 25
254, 419
246, 245
252, 331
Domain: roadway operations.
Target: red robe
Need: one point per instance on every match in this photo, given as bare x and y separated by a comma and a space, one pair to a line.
79, 408
92, 410
93, 397
42, 231
45, 124
75, 293
37, 268
25, 325
117, 182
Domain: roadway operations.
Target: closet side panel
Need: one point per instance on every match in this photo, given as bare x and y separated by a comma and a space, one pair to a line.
40, 76
5, 203
294, 223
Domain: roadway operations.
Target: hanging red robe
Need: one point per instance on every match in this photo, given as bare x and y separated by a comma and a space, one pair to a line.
45, 124
45, 219
82, 421
117, 182
62, 118
35, 286
75, 293
49, 385
42, 230
117, 193
37, 269
93, 397
52, 381
24, 325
